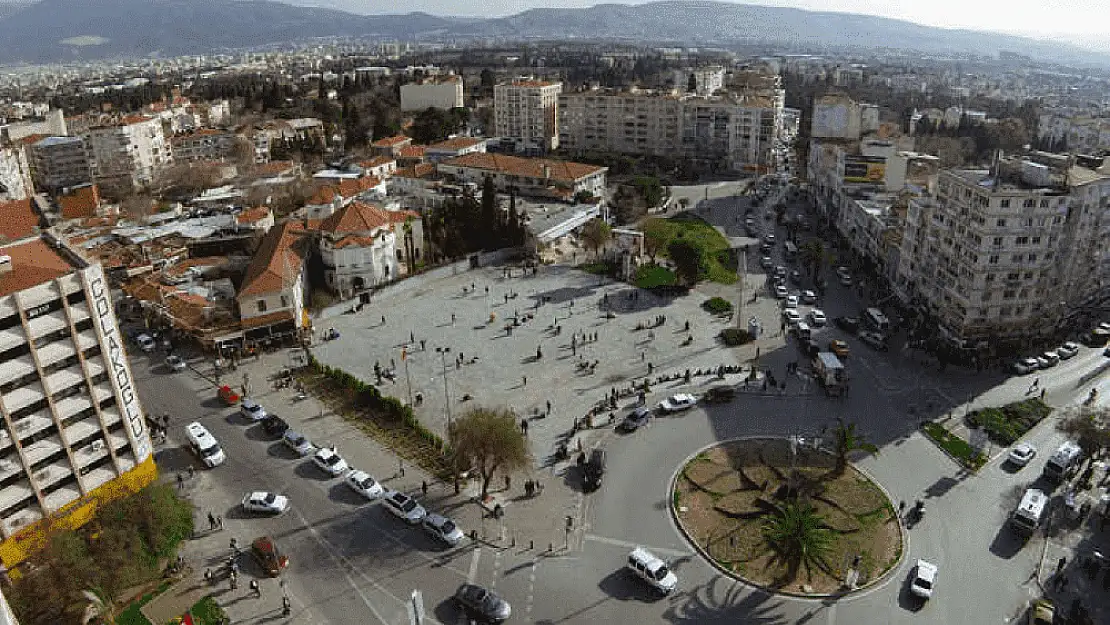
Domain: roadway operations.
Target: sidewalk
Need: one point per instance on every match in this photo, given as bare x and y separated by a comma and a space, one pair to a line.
176, 599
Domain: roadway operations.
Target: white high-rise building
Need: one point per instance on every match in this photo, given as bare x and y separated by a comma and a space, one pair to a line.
525, 114
442, 92
126, 155
71, 425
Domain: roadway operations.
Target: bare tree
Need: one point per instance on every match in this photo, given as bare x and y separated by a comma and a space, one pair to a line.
490, 441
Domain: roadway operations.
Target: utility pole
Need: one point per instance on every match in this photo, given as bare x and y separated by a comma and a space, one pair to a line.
743, 274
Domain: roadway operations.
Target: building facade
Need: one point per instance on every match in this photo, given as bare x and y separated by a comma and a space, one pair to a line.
15, 174
525, 114
442, 93
530, 177
59, 162
126, 155
358, 248
203, 145
72, 430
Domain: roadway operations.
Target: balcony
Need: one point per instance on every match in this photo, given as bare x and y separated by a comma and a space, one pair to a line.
52, 474
16, 368
37, 295
12, 337
61, 497
53, 352
98, 477
111, 416
101, 392
90, 453
69, 406
7, 307
48, 323
79, 312
23, 397
81, 430
13, 496
69, 282
41, 450
65, 379
10, 466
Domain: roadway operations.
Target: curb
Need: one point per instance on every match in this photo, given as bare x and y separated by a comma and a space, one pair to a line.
935, 443
769, 589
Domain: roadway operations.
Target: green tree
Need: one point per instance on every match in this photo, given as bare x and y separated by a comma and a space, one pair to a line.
1089, 425
596, 233
797, 538
813, 256
489, 440
656, 236
690, 261
846, 440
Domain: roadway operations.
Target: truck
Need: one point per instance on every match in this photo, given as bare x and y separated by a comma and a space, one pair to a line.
1062, 461
1027, 517
830, 373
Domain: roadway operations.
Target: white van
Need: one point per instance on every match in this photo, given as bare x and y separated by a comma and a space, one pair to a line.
204, 445
1027, 517
1062, 461
652, 570
876, 319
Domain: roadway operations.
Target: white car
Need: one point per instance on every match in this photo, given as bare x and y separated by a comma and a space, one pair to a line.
842, 272
791, 302
442, 529
252, 410
780, 291
330, 462
770, 238
678, 403
363, 484
766, 262
925, 577
791, 316
175, 363
845, 280
1067, 350
817, 318
265, 503
1021, 454
780, 272
1051, 357
145, 342
297, 442
1025, 365
809, 297
404, 507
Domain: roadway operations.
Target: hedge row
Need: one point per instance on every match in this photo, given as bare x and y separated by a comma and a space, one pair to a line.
369, 397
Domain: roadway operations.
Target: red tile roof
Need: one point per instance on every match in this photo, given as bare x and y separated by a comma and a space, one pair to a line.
18, 220
84, 201
268, 319
356, 217
273, 168
377, 161
350, 188
458, 143
252, 215
388, 142
281, 249
33, 263
421, 170
563, 171
412, 151
324, 195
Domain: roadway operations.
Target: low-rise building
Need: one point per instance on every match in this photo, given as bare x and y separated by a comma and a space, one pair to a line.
442, 92
531, 177
203, 145
454, 148
358, 248
272, 296
391, 146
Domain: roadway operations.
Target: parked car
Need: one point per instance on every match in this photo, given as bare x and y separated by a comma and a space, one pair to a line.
442, 529
720, 394
265, 502
404, 507
873, 340
791, 301
1021, 454
780, 272
1025, 365
330, 462
809, 297
269, 557
780, 291
274, 425
252, 410
791, 316
817, 318
1042, 362
766, 262
145, 342
297, 442
840, 348
1051, 357
482, 604
925, 577
1067, 350
635, 419
678, 403
175, 362
796, 276
363, 484
846, 281
842, 272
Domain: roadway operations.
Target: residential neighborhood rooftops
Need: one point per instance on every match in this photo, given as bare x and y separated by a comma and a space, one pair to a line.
33, 262
17, 220
356, 217
388, 142
457, 143
564, 171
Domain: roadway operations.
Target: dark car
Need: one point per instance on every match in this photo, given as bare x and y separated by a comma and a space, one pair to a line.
720, 394
274, 425
635, 419
593, 470
809, 346
482, 604
269, 557
874, 340
848, 324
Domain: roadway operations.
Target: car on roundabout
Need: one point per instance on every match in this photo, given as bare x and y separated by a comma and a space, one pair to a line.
1021, 454
924, 579
635, 419
442, 529
264, 502
484, 605
840, 348
269, 557
175, 363
678, 402
362, 483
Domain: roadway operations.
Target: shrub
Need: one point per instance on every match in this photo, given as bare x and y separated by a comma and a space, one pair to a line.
717, 306
1007, 424
735, 336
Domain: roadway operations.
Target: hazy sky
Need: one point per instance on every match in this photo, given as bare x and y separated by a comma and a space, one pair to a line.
1043, 17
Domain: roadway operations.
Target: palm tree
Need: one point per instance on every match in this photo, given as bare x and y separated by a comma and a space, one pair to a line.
845, 441
797, 538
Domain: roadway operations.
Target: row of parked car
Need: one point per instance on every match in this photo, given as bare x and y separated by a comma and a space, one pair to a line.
1050, 358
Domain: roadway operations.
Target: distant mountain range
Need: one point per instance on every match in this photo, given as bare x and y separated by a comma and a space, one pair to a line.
61, 30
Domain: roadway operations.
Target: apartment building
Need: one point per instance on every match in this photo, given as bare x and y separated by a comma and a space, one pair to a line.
203, 145
15, 174
703, 81
739, 132
444, 92
125, 155
59, 162
1009, 252
525, 114
530, 177
72, 430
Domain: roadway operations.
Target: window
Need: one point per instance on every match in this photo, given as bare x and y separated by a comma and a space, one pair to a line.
1008, 294
284, 301
993, 260
1013, 276
1004, 204
1001, 223
1032, 258
1028, 275
998, 241
1022, 241
990, 277
1029, 204
1044, 203
1036, 240
261, 305
1004, 311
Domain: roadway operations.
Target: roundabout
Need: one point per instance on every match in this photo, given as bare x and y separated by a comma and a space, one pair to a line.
787, 517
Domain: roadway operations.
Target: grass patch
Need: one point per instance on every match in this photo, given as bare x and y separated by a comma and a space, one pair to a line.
654, 276
719, 256
131, 615
954, 445
207, 612
1007, 424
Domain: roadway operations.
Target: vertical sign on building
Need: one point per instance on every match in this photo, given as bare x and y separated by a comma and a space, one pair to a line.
111, 342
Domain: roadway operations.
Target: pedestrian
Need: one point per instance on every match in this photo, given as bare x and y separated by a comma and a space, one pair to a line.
1060, 564
508, 482
452, 318
423, 342
233, 579
192, 472
643, 355
180, 481
220, 521
383, 320
256, 589
412, 337
207, 576
286, 606
234, 543
1042, 394
523, 426
211, 521
901, 507
424, 487
1063, 583
524, 380
548, 407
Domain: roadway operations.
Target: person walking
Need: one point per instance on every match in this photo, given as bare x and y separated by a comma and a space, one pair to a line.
180, 481
256, 589
524, 380
220, 521
211, 521
424, 487
234, 543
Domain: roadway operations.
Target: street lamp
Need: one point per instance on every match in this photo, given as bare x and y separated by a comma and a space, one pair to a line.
443, 351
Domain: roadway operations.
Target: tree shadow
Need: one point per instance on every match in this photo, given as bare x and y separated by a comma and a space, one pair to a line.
725, 600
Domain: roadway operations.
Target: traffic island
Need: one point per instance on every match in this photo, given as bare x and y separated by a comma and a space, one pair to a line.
779, 515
